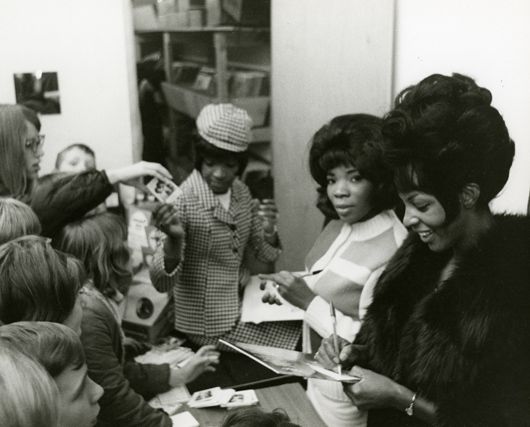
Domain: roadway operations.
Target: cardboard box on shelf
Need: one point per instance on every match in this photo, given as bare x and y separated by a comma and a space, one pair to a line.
186, 5
246, 83
196, 18
190, 102
238, 12
166, 7
185, 72
145, 18
205, 81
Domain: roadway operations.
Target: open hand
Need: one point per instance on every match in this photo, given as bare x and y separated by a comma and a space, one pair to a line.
203, 361
130, 175
292, 288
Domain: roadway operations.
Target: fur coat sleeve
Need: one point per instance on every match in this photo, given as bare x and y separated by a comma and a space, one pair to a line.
463, 344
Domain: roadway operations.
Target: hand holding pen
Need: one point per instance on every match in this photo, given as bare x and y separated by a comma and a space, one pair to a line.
333, 315
290, 286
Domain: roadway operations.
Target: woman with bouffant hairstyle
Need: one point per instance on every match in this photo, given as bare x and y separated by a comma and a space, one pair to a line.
29, 395
446, 340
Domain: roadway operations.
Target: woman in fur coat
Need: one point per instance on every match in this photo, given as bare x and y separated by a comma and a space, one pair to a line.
446, 341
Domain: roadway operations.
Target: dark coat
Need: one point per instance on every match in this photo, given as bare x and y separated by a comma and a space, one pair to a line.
59, 199
464, 345
121, 404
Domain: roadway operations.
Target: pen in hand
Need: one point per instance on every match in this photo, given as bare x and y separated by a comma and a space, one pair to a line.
335, 340
301, 276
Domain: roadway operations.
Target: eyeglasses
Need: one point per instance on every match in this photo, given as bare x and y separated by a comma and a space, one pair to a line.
34, 144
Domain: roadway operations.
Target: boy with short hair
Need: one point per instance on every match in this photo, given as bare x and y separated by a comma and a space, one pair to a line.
58, 349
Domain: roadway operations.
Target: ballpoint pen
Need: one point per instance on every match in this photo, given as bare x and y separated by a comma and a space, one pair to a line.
335, 339
301, 276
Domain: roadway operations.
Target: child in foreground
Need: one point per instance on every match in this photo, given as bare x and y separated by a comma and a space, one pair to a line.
29, 395
99, 242
58, 349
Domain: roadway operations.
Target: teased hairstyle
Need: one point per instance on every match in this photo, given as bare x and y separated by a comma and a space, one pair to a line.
56, 347
99, 242
356, 140
36, 281
255, 417
16, 219
29, 397
84, 148
205, 150
13, 131
443, 133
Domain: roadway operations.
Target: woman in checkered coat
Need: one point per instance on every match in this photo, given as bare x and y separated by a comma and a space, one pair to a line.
209, 228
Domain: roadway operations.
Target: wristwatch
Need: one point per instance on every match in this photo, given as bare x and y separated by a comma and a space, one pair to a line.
409, 410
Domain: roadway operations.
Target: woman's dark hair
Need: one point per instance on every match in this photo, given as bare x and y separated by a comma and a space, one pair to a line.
99, 242
255, 417
205, 150
37, 282
442, 134
356, 140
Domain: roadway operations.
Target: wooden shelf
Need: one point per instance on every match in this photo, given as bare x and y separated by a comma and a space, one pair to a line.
224, 29
190, 102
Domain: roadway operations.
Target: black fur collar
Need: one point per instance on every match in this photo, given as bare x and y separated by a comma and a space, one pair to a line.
460, 337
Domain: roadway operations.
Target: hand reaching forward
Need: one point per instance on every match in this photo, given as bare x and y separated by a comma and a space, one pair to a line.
292, 288
131, 174
203, 361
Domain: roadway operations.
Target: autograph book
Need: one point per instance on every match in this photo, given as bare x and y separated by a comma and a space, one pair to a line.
288, 362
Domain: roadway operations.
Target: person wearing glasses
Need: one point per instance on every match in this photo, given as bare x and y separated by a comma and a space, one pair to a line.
64, 198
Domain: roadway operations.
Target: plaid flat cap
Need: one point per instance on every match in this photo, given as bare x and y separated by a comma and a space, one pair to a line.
225, 126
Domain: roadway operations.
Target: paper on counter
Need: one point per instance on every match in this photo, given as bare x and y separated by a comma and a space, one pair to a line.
171, 400
254, 310
334, 375
184, 419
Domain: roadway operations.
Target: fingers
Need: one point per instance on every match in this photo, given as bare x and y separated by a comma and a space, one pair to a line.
157, 170
166, 215
206, 349
345, 353
357, 371
270, 298
326, 354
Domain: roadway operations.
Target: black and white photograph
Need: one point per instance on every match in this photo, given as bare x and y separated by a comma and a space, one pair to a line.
324, 205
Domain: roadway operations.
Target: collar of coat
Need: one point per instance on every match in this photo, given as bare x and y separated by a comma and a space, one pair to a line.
476, 322
210, 202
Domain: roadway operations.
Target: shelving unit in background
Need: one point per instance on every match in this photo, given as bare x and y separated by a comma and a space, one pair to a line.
211, 46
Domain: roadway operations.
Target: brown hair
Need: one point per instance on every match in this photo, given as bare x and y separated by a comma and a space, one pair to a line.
36, 281
13, 131
29, 395
16, 219
99, 242
56, 347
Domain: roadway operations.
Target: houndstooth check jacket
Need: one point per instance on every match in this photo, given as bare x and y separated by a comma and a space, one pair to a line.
206, 282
